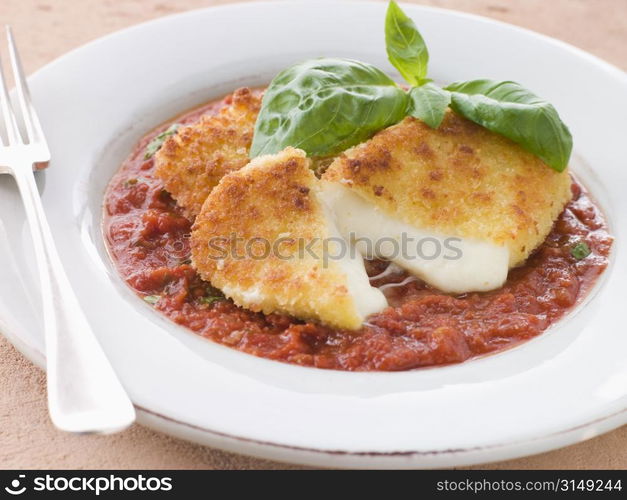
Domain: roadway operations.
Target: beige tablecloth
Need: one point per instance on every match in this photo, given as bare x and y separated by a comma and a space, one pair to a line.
49, 28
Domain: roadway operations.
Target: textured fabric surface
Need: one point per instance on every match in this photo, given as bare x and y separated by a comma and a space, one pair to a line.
49, 28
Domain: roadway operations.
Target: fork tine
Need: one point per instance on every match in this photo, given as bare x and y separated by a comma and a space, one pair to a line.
13, 133
29, 115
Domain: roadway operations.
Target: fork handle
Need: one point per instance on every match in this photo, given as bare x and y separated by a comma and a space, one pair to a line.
84, 394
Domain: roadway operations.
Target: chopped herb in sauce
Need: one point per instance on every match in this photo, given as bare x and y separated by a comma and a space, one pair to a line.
156, 143
164, 196
210, 299
152, 299
580, 250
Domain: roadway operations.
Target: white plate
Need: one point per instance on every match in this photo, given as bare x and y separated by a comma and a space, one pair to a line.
564, 386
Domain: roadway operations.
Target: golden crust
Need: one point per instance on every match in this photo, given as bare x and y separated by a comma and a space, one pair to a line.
274, 198
460, 180
192, 162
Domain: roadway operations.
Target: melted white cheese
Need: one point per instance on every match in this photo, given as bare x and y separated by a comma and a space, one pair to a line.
366, 298
249, 295
452, 264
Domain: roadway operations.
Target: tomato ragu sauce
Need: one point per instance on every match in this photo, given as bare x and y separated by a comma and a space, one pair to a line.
148, 239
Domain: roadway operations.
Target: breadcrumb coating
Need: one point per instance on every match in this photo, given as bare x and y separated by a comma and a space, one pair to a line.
192, 162
274, 199
460, 180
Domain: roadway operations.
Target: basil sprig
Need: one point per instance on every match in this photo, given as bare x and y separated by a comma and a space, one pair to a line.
325, 106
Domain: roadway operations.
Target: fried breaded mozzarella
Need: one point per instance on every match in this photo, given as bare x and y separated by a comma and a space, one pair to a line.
459, 180
454, 265
267, 241
192, 162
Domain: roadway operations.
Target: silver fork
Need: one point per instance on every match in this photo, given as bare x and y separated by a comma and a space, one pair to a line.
84, 394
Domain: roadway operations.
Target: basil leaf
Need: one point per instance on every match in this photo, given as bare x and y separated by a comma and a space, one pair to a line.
513, 111
157, 141
325, 106
405, 46
429, 103
580, 250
